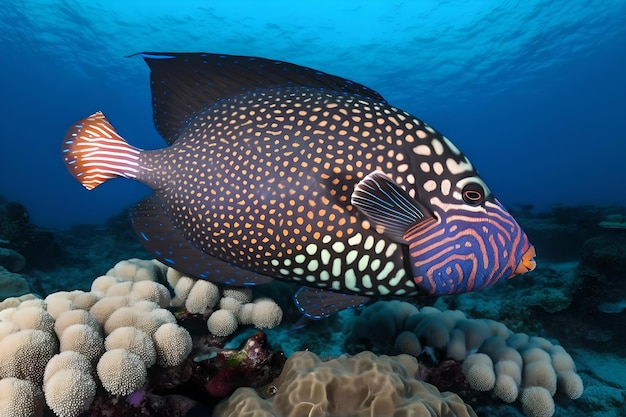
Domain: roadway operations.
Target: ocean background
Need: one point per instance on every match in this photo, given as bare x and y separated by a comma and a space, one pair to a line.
532, 91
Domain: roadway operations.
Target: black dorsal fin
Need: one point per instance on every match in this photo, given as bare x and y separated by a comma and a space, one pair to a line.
184, 84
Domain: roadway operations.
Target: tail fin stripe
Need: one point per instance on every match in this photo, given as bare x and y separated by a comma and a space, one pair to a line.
94, 152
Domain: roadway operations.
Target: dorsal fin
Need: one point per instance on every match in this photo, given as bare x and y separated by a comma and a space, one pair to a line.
184, 84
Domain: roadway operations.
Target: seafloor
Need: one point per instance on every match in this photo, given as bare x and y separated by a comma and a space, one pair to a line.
576, 297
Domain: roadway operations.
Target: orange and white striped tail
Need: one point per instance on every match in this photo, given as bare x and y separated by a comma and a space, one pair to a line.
94, 152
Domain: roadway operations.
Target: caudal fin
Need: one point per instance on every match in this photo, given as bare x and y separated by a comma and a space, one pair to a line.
94, 152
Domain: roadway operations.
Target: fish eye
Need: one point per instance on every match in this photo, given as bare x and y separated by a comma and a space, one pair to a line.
473, 194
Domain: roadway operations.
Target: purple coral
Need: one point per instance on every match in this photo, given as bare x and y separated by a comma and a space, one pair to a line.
254, 365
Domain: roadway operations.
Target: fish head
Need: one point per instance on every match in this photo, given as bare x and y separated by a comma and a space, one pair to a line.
470, 243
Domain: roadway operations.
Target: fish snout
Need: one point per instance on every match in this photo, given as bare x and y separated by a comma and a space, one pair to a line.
527, 263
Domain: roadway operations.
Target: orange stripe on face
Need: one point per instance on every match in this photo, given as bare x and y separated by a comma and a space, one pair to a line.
466, 250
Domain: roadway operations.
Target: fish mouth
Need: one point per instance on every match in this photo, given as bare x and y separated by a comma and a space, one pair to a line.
527, 263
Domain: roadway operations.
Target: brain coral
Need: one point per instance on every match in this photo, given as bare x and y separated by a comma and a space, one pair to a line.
359, 385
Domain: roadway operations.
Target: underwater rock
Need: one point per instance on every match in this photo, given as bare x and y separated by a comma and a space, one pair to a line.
606, 254
597, 305
12, 284
614, 221
11, 260
15, 224
559, 233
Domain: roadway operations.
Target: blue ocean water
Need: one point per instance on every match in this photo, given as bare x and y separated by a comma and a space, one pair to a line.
532, 91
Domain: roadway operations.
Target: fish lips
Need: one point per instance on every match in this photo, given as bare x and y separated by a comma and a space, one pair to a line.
527, 263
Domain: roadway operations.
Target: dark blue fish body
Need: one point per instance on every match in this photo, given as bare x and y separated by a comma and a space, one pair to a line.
280, 171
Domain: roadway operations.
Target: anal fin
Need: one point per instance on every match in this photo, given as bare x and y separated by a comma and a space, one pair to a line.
160, 237
317, 304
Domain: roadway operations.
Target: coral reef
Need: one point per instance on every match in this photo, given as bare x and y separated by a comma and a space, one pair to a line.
12, 284
11, 260
598, 300
89, 351
559, 233
490, 356
361, 385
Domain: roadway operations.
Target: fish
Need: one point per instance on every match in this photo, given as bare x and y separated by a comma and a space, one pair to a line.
278, 171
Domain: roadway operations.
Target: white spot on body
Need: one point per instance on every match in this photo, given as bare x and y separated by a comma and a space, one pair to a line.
350, 280
275, 262
337, 268
355, 240
380, 246
324, 275
369, 243
437, 146
338, 247
402, 168
351, 256
445, 187
366, 281
457, 168
438, 168
425, 167
363, 262
397, 278
300, 258
313, 265
375, 264
383, 275
423, 150
430, 185
451, 146
390, 250
311, 249
325, 256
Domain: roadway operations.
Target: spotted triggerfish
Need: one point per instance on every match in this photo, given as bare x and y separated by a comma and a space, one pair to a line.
278, 171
